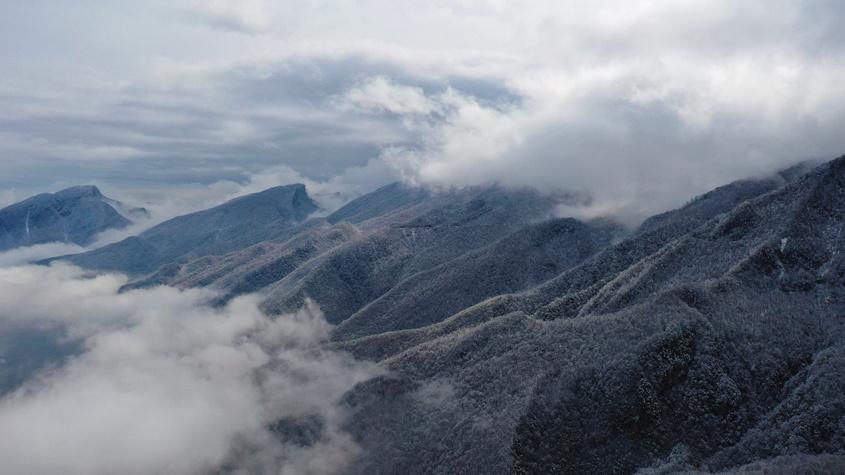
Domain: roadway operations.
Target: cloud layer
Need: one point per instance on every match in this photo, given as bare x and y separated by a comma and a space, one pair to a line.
167, 384
642, 103
244, 16
637, 138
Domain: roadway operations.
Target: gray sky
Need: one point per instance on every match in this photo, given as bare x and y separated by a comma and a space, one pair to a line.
643, 104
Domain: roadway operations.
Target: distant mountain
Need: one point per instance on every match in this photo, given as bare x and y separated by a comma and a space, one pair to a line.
131, 213
411, 258
390, 202
74, 215
366, 248
254, 268
239, 223
415, 235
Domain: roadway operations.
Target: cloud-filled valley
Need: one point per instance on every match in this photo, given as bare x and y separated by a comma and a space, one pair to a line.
164, 382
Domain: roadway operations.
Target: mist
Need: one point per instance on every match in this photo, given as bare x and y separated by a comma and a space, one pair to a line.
634, 141
165, 383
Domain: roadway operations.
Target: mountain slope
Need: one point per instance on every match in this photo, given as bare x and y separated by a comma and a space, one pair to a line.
254, 268
523, 259
711, 339
241, 222
404, 242
369, 211
731, 359
563, 295
74, 215
382, 205
399, 217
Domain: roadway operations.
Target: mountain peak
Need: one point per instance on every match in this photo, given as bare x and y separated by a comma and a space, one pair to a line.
269, 214
78, 192
73, 215
290, 200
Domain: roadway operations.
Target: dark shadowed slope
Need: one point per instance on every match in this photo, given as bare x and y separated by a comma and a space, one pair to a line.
399, 218
566, 293
74, 215
239, 223
756, 373
523, 259
406, 241
732, 360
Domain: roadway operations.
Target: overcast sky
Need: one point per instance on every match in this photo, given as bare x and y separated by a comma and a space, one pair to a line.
643, 104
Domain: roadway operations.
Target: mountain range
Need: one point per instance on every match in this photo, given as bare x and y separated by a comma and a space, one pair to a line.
709, 339
238, 223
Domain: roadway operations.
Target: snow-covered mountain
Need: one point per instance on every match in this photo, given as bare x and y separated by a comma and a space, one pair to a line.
74, 215
238, 223
710, 339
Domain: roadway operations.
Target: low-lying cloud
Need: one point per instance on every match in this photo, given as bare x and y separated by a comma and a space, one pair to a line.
637, 140
165, 383
25, 255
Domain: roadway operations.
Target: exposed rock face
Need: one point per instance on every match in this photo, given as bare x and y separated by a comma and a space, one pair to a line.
74, 215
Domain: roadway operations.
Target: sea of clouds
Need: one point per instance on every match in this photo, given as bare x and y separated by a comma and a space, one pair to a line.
163, 382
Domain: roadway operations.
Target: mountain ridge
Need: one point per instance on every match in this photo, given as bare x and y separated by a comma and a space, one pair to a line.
708, 339
682, 377
239, 222
73, 215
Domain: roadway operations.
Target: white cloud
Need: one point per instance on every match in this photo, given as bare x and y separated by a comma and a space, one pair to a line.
25, 255
380, 94
657, 100
245, 16
639, 137
167, 384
